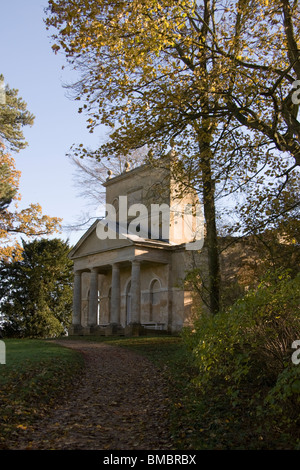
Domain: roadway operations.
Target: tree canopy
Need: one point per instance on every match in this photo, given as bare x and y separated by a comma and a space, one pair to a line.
14, 115
221, 73
214, 80
148, 62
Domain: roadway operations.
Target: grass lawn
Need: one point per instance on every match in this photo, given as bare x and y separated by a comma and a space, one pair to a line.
35, 375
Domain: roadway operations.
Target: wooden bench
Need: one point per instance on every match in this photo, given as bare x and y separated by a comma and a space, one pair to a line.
154, 325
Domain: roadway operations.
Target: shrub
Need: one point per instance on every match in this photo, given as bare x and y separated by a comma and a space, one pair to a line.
249, 347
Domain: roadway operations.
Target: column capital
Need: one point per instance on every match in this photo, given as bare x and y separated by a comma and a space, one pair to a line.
94, 270
115, 265
136, 262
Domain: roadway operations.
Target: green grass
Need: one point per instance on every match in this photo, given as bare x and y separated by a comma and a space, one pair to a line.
35, 375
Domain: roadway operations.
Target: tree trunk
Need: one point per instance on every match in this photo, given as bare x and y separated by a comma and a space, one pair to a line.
211, 229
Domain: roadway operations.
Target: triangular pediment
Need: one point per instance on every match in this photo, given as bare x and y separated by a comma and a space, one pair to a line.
90, 243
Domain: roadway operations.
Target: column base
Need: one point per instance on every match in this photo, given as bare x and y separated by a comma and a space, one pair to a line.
114, 329
75, 330
135, 329
97, 330
87, 330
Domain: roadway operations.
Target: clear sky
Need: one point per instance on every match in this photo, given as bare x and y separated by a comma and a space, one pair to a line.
29, 65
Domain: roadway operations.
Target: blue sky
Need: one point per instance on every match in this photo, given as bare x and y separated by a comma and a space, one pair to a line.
29, 65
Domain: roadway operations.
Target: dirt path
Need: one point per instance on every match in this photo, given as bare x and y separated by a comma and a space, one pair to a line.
120, 403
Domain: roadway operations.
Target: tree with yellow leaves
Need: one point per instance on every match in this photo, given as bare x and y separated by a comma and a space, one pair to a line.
136, 82
208, 78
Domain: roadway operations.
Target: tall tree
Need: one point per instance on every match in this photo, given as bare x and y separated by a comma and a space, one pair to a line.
36, 292
151, 96
163, 73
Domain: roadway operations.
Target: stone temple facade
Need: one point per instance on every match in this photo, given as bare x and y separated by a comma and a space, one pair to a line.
130, 281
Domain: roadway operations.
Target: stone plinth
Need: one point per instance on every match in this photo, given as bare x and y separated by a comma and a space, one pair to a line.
75, 330
135, 329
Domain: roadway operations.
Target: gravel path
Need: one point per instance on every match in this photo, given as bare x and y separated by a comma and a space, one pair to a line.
120, 403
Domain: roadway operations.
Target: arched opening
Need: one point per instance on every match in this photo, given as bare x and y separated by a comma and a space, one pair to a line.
155, 291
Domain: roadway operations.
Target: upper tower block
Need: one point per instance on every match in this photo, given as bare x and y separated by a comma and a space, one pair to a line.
153, 186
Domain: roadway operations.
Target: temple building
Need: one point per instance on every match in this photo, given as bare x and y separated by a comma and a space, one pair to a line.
129, 266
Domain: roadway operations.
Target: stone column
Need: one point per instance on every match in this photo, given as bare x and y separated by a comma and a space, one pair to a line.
76, 321
170, 297
93, 298
135, 292
115, 295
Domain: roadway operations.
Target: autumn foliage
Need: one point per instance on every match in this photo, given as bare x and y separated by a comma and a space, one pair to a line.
13, 222
213, 80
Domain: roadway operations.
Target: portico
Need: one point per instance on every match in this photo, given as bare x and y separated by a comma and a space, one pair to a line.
128, 284
109, 297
